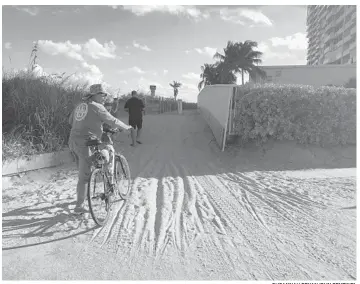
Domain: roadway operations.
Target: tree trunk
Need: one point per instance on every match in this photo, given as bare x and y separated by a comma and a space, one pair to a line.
242, 76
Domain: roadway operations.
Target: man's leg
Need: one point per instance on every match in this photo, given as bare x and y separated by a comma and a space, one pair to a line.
139, 128
83, 153
133, 134
72, 147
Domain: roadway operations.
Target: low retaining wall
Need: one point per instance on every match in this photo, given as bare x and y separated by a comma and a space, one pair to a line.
36, 162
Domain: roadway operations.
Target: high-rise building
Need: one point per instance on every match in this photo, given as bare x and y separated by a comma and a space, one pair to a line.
331, 33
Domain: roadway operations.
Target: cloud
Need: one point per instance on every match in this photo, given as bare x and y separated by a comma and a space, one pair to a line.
127, 53
7, 45
144, 84
187, 51
268, 53
132, 69
89, 73
210, 51
191, 76
188, 11
91, 48
166, 71
66, 48
86, 78
33, 11
38, 71
96, 50
188, 92
142, 47
125, 82
296, 41
93, 69
137, 70
243, 15
187, 86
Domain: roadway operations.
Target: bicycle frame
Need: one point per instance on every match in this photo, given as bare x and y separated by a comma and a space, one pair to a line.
95, 150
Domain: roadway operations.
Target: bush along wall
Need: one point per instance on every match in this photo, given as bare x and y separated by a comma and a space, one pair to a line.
35, 114
308, 115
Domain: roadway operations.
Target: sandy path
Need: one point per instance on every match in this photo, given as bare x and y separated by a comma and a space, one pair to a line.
194, 213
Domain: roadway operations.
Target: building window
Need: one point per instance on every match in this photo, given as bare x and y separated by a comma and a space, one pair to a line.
278, 73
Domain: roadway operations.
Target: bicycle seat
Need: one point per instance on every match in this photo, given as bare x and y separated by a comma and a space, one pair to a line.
93, 141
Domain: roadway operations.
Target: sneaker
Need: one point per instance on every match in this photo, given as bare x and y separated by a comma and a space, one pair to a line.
80, 210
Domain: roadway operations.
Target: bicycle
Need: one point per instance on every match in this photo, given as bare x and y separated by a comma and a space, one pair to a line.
102, 196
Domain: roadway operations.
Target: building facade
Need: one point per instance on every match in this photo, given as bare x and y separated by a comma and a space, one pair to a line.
331, 33
313, 75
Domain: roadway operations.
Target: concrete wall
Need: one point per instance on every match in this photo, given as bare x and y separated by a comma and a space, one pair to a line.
317, 75
214, 104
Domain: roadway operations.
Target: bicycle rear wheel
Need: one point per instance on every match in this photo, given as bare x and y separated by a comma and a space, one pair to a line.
99, 197
122, 176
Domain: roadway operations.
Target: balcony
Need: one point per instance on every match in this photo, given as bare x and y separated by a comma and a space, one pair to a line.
352, 45
328, 15
339, 20
353, 30
347, 38
326, 61
350, 10
328, 37
327, 49
339, 45
338, 54
353, 16
331, 55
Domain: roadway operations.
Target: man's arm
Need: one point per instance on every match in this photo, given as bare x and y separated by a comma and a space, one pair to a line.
71, 117
142, 107
107, 118
116, 102
126, 106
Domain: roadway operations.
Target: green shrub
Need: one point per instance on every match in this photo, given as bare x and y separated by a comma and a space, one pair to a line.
323, 116
351, 83
35, 114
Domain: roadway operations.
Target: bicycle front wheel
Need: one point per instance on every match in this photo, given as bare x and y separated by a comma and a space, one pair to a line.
99, 197
122, 176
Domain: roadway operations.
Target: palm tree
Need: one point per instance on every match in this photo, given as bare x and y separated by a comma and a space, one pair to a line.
175, 85
211, 75
240, 57
208, 75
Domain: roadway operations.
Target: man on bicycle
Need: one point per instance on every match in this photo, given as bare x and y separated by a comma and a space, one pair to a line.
87, 121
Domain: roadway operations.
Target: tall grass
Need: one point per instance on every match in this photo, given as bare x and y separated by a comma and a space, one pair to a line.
35, 113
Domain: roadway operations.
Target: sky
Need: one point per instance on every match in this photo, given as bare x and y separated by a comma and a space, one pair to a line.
131, 47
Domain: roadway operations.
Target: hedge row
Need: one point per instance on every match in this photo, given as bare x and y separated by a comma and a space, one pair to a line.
309, 115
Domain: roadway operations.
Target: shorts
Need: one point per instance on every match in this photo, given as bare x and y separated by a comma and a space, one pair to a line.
135, 123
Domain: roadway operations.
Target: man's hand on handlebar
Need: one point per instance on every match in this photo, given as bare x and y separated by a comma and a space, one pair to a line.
128, 130
110, 130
